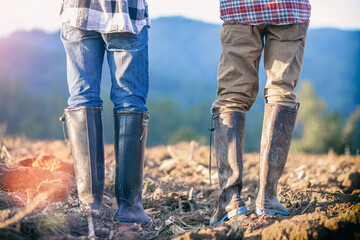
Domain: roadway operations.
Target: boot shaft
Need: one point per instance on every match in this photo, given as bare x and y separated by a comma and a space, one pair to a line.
85, 130
130, 133
278, 128
229, 138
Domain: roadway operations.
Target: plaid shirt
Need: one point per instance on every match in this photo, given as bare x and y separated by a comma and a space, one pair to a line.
106, 16
256, 12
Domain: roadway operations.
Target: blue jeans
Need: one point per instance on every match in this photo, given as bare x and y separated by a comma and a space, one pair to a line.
127, 56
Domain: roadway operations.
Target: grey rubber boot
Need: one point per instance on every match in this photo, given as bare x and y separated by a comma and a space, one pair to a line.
229, 136
278, 129
130, 132
85, 130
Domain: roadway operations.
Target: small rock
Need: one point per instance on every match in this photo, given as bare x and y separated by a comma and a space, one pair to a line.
349, 181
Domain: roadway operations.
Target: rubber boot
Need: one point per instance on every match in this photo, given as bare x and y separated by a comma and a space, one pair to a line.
278, 129
85, 130
229, 136
130, 132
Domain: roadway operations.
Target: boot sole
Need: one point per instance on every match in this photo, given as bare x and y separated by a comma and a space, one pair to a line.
130, 222
124, 220
269, 212
232, 214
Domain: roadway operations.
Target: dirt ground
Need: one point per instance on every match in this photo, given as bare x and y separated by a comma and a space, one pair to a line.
38, 198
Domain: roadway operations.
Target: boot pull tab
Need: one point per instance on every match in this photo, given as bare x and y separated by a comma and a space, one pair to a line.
144, 123
62, 120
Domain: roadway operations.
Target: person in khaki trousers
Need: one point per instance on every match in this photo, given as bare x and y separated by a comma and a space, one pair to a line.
279, 29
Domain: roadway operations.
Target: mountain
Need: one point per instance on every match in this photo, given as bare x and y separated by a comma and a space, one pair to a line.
184, 56
332, 63
36, 57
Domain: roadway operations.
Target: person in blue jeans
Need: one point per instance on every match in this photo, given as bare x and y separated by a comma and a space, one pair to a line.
120, 28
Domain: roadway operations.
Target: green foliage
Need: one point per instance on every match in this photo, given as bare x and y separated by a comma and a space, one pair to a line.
36, 116
253, 128
171, 124
351, 133
165, 117
182, 133
33, 115
320, 130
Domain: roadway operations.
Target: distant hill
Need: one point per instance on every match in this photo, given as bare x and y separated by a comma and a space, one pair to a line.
184, 56
332, 63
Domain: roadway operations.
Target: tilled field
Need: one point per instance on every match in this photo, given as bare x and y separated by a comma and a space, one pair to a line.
38, 198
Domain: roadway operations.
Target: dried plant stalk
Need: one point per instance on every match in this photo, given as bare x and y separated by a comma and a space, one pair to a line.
91, 228
18, 216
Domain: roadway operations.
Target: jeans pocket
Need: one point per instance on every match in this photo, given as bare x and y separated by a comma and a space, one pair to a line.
122, 41
72, 33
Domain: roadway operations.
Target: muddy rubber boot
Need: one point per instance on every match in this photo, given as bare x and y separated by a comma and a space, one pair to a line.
130, 132
229, 136
278, 129
85, 130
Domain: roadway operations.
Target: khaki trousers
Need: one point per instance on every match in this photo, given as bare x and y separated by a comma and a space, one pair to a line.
242, 45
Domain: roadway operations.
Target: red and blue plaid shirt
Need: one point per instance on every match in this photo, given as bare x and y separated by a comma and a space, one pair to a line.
256, 12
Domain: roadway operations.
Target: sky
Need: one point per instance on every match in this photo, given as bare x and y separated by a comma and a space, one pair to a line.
44, 14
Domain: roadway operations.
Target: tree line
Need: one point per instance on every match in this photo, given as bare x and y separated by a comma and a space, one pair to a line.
37, 116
